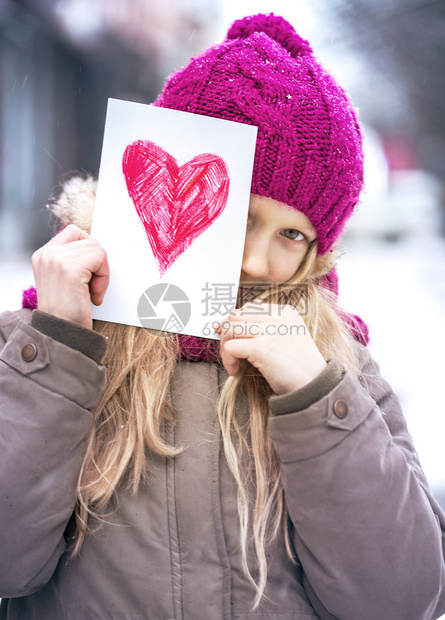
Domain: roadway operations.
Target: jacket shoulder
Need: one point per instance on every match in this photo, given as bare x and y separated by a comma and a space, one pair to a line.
371, 377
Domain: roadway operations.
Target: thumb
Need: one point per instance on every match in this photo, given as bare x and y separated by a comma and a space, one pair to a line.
99, 282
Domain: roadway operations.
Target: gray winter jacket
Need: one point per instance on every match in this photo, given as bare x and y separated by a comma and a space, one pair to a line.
368, 536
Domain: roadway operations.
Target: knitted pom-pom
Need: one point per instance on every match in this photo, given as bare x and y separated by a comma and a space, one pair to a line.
275, 27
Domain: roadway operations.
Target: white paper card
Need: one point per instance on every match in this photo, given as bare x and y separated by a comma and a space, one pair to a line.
171, 212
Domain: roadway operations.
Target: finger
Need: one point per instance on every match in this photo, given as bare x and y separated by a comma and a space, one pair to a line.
99, 281
237, 329
66, 249
68, 234
261, 312
65, 240
240, 315
234, 351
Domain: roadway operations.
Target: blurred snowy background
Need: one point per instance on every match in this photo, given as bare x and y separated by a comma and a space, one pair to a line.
60, 60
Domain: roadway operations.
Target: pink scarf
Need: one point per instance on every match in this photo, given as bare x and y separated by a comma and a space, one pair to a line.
197, 349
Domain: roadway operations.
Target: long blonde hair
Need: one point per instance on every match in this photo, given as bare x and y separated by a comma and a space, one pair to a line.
131, 417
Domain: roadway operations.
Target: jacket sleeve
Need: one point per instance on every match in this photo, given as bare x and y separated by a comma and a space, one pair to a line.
47, 391
367, 532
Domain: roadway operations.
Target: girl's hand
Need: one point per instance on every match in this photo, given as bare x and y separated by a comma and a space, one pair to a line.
276, 341
71, 271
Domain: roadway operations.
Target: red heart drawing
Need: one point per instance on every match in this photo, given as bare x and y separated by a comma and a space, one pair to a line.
175, 203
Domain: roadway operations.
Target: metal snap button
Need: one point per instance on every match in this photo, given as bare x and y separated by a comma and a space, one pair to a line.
29, 352
341, 409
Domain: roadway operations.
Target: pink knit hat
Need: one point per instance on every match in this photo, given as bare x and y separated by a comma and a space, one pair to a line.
309, 147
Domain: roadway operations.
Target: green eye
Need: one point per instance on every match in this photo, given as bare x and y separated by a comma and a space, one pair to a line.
291, 233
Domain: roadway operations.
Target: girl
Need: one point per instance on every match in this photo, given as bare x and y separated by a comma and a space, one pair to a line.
268, 476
